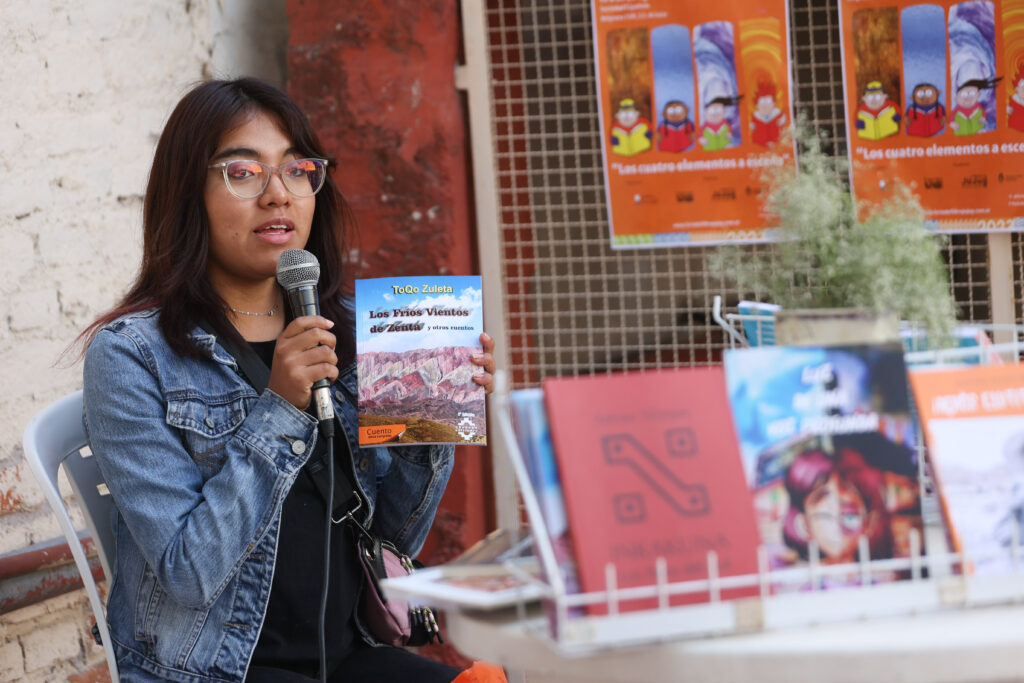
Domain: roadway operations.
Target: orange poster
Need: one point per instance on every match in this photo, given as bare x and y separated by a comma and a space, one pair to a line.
935, 101
695, 107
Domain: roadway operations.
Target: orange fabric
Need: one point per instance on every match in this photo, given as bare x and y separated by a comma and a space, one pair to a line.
482, 672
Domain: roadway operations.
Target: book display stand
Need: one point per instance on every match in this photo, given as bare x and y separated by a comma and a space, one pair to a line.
936, 622
935, 583
784, 598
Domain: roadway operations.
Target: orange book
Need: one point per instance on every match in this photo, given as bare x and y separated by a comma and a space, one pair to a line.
974, 427
650, 468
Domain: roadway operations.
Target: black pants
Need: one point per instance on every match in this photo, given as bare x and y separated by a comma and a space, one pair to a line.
369, 664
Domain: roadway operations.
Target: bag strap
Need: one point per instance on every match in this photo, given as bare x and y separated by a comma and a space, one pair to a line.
253, 369
257, 374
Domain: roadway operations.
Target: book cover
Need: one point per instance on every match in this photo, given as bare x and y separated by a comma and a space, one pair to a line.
650, 468
829, 447
974, 427
415, 338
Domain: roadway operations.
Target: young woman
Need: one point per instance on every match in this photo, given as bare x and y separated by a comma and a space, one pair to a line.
220, 525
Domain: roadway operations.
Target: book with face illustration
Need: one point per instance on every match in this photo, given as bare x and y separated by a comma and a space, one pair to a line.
415, 338
829, 448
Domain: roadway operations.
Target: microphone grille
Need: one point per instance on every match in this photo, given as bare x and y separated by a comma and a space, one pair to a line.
297, 267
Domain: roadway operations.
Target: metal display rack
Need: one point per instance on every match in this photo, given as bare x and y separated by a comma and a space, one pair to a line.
783, 598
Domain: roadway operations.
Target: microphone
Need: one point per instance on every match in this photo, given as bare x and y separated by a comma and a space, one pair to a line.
298, 272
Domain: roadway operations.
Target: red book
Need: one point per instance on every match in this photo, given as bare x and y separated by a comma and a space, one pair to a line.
650, 468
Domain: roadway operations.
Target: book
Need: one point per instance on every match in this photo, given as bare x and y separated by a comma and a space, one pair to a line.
758, 322
973, 420
828, 442
491, 574
474, 586
415, 338
650, 469
533, 437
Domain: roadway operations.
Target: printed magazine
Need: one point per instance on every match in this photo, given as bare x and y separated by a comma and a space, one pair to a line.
415, 337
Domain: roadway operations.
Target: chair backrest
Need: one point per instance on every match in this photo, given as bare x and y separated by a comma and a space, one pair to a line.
56, 435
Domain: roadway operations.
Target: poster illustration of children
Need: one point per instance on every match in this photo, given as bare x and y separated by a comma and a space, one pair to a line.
968, 117
672, 59
878, 116
716, 133
675, 130
631, 133
628, 94
972, 62
714, 50
877, 88
922, 28
767, 120
925, 116
1015, 108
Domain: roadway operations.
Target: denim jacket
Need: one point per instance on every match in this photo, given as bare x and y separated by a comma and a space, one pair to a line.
198, 465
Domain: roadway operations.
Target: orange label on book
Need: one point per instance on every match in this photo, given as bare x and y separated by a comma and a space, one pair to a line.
380, 433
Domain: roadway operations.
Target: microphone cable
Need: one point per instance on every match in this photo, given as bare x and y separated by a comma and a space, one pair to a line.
327, 431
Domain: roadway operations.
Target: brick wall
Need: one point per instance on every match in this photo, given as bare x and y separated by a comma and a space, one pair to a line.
87, 88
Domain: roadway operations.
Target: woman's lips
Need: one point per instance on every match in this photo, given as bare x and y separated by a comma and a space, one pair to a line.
275, 233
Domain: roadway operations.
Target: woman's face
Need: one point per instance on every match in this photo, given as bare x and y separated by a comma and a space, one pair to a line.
247, 236
836, 517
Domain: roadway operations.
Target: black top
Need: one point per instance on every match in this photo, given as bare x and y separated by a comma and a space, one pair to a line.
290, 629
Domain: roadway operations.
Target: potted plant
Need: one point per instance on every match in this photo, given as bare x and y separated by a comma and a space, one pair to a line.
888, 264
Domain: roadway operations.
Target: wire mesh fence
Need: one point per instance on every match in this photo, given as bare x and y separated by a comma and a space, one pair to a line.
575, 306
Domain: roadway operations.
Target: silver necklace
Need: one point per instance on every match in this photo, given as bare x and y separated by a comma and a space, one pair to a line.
272, 311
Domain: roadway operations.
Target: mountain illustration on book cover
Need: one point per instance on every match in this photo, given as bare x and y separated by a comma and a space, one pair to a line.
829, 445
415, 337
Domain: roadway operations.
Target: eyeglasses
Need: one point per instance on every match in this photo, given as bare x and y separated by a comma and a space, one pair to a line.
247, 179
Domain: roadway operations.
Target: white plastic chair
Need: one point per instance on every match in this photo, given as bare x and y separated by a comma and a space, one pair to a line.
56, 435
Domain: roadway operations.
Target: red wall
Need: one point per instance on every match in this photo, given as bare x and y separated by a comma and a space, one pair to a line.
377, 79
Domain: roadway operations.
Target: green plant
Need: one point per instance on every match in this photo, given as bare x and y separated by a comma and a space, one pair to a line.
825, 257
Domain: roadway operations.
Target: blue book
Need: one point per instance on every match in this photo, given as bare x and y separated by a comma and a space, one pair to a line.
533, 435
758, 322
